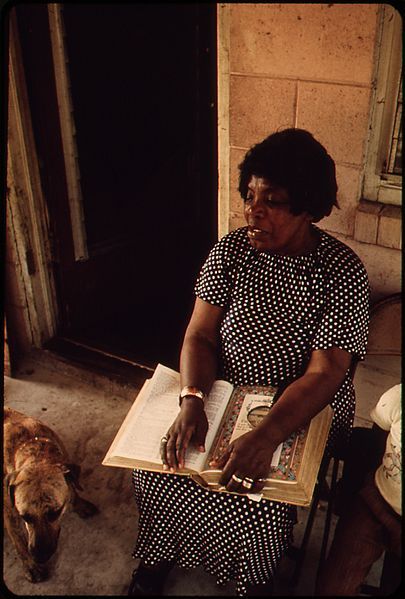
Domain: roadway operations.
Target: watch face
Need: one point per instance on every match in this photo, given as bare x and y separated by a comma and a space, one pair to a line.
256, 415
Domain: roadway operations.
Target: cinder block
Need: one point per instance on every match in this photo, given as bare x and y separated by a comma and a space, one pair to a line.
259, 107
236, 220
236, 157
390, 228
342, 220
366, 222
337, 115
370, 207
333, 42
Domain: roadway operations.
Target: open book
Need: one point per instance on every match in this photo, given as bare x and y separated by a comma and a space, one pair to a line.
230, 412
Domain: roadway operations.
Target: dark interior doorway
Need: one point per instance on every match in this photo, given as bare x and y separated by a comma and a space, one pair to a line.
143, 88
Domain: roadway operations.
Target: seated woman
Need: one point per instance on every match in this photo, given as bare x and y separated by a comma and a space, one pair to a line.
279, 302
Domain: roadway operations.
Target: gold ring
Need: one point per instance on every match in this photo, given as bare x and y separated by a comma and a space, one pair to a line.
164, 440
236, 478
246, 484
250, 480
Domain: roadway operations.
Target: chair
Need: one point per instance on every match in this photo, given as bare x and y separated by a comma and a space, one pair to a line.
384, 339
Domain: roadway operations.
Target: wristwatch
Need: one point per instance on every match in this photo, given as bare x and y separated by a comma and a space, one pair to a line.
189, 391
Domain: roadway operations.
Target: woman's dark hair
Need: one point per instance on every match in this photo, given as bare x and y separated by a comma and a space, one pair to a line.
295, 160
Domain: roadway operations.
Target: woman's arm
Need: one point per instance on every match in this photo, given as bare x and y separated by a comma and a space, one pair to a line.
198, 368
250, 455
199, 353
308, 395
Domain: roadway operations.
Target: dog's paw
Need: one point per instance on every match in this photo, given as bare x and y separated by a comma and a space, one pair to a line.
36, 572
84, 508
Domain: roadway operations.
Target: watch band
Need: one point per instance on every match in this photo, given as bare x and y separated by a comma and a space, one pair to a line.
190, 391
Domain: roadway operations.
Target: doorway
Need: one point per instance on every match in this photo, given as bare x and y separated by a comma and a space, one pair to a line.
143, 92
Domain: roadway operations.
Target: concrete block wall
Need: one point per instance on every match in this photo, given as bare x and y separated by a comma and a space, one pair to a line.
308, 66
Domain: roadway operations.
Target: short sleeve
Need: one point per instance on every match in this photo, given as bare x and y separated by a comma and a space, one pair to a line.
214, 282
345, 316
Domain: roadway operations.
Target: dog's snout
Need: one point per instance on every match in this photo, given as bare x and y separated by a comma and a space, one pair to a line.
43, 547
42, 553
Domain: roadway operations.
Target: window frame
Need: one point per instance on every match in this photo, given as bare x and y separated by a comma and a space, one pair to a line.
378, 185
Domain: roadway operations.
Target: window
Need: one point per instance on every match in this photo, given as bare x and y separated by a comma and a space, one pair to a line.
395, 157
383, 174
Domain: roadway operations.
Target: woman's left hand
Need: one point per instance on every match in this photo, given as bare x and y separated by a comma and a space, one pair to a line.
246, 463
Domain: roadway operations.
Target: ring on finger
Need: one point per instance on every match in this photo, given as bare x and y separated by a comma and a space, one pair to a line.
164, 440
247, 484
236, 478
250, 480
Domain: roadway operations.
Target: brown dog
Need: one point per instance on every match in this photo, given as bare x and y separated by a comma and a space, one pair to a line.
40, 485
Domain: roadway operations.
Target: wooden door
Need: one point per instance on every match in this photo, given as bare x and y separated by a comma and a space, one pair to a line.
142, 87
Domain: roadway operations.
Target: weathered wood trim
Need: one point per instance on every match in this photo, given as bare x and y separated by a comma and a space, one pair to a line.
386, 81
223, 39
27, 217
6, 361
68, 132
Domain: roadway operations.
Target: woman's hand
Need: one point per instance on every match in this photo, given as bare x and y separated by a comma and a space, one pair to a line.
191, 424
247, 460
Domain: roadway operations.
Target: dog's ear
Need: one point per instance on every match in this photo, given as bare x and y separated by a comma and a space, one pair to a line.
10, 480
72, 473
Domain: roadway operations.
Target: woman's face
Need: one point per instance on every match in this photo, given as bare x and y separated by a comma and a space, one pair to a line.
271, 225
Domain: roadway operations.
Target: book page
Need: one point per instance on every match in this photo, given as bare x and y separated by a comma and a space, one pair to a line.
253, 409
157, 410
154, 413
214, 409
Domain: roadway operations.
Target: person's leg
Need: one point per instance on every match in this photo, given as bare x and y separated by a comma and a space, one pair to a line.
357, 544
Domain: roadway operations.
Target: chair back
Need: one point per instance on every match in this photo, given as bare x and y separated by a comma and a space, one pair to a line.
385, 332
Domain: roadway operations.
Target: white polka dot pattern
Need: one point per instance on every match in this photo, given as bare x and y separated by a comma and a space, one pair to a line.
232, 537
281, 308
278, 309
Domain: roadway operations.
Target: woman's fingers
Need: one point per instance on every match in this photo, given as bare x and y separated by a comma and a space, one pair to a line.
171, 452
200, 434
234, 483
191, 423
181, 446
259, 485
239, 483
174, 449
239, 473
163, 446
220, 462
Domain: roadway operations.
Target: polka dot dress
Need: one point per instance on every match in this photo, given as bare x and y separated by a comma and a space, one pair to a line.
278, 309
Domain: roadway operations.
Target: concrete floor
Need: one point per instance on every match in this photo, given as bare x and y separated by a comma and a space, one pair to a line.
94, 555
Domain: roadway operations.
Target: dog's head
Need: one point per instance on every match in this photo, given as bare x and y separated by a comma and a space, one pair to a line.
41, 494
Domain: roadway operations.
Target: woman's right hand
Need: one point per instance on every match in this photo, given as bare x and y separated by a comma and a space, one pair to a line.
191, 424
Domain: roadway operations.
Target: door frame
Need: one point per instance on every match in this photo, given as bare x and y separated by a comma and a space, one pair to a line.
223, 86
28, 244
67, 129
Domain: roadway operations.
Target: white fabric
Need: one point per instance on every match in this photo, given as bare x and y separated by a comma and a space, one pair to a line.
387, 415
